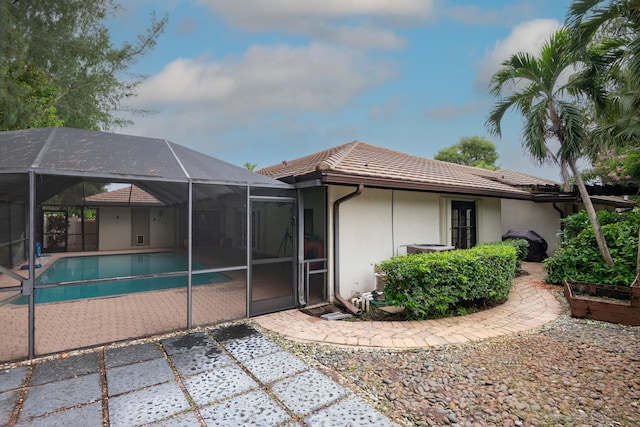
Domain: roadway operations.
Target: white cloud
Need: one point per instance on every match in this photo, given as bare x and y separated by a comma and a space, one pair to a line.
185, 81
260, 14
452, 112
186, 26
211, 97
356, 23
525, 37
267, 79
366, 37
477, 15
386, 111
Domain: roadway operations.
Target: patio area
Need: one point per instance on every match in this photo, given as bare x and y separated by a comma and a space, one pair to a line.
84, 323
65, 325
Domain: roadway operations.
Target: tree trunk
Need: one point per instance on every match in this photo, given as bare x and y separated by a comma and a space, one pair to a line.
638, 261
593, 217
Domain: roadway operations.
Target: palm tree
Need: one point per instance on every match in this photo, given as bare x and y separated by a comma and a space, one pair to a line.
615, 26
539, 89
250, 166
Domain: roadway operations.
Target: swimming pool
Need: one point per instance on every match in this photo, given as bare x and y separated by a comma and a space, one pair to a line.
96, 267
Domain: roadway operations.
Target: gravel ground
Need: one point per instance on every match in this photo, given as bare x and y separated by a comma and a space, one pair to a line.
571, 372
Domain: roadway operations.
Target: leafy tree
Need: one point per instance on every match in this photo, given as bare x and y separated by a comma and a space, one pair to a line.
619, 166
539, 92
29, 101
471, 151
250, 166
58, 65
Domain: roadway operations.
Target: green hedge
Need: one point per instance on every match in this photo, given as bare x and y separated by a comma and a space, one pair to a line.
578, 257
522, 250
441, 284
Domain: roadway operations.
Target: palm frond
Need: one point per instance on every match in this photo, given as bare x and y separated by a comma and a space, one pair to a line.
575, 136
533, 133
493, 122
578, 10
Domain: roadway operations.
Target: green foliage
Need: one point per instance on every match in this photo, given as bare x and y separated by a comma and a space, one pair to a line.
58, 64
444, 283
56, 230
573, 225
616, 166
578, 258
29, 101
549, 114
471, 151
522, 250
251, 167
613, 27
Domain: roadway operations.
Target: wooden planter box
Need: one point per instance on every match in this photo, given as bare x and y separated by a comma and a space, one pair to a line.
615, 304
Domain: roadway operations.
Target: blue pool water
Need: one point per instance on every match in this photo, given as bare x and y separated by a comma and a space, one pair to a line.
123, 265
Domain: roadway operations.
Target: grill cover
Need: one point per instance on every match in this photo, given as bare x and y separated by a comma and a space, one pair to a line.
537, 244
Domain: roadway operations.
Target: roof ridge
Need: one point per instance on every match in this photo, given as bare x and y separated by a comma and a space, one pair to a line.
333, 160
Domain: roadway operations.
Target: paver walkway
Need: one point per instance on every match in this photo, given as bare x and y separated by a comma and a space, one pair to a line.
229, 376
529, 306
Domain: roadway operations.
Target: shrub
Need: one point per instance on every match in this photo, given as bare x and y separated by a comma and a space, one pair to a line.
574, 224
438, 284
522, 250
579, 259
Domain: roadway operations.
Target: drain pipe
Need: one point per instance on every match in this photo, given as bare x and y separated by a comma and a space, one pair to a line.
560, 211
336, 250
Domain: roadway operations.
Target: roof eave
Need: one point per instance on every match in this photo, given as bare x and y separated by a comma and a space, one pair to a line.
397, 184
126, 204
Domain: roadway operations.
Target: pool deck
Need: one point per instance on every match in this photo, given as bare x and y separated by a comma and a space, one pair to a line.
90, 322
218, 375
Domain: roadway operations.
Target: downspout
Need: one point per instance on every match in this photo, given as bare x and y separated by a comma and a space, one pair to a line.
560, 211
336, 250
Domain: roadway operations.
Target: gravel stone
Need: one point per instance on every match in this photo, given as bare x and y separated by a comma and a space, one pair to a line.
570, 372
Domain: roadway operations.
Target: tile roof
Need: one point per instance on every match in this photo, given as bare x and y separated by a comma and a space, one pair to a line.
130, 195
359, 159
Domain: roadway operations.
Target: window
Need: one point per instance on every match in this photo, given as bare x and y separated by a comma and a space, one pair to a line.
463, 224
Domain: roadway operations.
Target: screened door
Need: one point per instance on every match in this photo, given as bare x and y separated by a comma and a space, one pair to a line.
273, 251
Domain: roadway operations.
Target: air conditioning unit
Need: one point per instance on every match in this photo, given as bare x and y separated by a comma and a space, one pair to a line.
428, 247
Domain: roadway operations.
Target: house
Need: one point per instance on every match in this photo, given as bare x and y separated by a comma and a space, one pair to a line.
130, 217
256, 244
368, 203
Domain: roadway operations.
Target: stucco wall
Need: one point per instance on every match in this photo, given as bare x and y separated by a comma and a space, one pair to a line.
539, 217
161, 228
114, 228
489, 220
379, 224
365, 238
416, 220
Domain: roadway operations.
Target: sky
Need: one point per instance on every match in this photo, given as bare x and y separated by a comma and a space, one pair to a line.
264, 81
